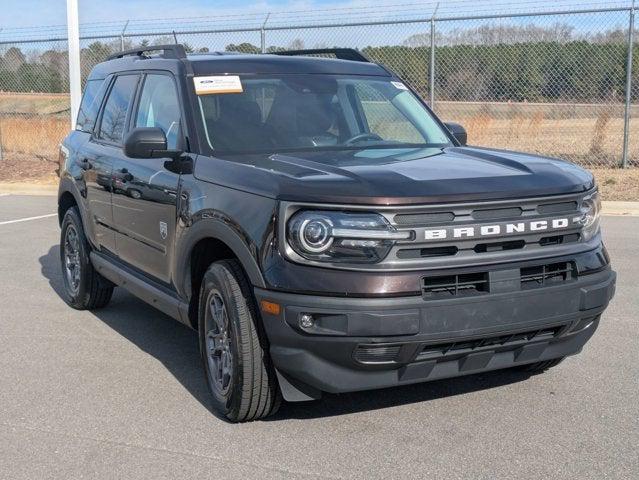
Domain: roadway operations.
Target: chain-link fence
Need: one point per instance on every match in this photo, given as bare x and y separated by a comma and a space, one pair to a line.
552, 83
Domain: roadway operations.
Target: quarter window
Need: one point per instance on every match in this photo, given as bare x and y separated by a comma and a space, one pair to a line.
113, 121
90, 105
160, 108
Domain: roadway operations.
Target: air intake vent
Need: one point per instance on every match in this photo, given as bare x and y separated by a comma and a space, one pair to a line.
455, 285
376, 353
501, 342
547, 275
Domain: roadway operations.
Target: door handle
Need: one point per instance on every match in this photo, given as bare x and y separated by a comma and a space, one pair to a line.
84, 164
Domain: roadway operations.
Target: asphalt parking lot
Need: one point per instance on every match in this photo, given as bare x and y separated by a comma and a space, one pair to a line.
120, 393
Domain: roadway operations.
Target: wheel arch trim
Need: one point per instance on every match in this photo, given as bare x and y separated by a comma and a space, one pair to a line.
216, 230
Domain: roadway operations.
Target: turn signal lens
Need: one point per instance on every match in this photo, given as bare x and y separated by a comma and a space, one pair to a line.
271, 308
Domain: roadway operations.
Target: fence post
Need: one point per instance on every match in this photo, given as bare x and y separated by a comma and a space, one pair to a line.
626, 115
432, 63
432, 58
263, 34
122, 36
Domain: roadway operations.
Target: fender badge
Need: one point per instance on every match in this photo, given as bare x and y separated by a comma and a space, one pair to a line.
163, 230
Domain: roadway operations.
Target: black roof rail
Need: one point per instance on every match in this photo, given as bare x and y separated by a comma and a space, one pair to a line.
341, 53
168, 51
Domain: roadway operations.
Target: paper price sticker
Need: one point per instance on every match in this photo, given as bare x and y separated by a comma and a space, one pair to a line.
217, 84
399, 85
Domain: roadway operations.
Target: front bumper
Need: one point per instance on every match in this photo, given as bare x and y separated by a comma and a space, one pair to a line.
368, 343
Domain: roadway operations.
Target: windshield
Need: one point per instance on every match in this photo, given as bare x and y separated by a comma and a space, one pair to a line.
315, 112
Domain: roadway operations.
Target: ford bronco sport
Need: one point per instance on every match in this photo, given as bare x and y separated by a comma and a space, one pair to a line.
320, 228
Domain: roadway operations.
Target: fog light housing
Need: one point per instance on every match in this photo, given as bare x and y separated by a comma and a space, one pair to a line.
306, 320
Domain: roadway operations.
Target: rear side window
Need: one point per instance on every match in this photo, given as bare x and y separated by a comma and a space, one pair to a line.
116, 108
159, 107
90, 105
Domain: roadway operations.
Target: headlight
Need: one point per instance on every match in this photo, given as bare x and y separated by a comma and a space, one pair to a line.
332, 236
590, 210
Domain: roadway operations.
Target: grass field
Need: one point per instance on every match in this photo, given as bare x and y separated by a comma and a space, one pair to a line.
32, 125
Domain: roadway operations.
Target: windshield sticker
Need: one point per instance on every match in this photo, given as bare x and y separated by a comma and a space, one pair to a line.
217, 84
399, 85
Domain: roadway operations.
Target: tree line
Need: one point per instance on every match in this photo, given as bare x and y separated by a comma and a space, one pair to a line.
482, 64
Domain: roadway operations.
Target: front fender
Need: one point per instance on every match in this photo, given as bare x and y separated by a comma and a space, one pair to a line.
217, 229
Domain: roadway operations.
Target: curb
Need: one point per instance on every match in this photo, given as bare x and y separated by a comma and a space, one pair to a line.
630, 209
28, 189
608, 207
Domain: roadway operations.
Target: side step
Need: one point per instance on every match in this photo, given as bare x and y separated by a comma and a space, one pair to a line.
141, 288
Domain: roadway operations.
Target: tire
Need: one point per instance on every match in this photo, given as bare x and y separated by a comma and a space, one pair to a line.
85, 289
541, 367
134, 194
233, 346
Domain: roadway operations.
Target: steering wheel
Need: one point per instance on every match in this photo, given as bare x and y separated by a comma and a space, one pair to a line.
362, 136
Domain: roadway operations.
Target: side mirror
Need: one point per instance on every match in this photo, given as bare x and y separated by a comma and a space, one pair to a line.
458, 132
148, 142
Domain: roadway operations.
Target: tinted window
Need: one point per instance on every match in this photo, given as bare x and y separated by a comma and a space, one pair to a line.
90, 105
116, 108
159, 107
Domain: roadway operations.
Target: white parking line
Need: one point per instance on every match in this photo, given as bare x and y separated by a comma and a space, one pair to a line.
27, 219
4, 194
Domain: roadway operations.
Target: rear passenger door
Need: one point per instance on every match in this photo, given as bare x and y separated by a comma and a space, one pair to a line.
100, 153
145, 202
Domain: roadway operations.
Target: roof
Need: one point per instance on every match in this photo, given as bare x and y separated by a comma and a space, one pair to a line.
229, 62
261, 64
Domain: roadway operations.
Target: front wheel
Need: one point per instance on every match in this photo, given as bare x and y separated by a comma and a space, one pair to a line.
233, 346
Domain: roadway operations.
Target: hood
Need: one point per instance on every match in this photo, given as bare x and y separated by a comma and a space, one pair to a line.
396, 176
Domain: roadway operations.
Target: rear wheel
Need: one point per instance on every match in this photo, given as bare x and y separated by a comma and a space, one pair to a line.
233, 346
85, 288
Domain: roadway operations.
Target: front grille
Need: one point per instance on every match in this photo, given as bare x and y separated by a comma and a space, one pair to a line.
485, 247
515, 238
500, 342
553, 208
371, 354
404, 219
496, 213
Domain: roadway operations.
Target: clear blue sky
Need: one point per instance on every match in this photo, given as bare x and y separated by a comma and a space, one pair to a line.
30, 13
27, 13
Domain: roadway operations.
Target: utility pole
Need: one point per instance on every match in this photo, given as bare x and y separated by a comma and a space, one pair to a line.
73, 39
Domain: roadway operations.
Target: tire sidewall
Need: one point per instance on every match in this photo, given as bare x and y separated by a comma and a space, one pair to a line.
216, 278
72, 217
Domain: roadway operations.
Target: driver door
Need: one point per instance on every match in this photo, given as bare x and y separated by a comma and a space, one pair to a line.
146, 194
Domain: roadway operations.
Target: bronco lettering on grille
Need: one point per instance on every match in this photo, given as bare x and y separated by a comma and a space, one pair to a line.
504, 228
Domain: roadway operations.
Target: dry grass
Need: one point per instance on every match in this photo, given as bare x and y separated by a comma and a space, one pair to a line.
33, 135
618, 184
591, 135
33, 103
